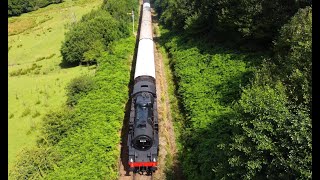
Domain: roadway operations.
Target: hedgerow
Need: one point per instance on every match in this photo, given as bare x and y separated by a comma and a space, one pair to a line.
90, 150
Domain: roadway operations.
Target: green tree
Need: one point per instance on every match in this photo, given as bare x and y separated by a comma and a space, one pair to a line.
293, 56
77, 88
238, 21
97, 28
272, 137
17, 7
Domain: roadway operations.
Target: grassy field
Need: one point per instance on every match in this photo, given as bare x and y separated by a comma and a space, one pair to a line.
36, 82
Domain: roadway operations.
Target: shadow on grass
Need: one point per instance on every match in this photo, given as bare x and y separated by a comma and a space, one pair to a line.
65, 65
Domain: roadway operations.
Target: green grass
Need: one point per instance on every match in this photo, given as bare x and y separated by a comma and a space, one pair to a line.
36, 37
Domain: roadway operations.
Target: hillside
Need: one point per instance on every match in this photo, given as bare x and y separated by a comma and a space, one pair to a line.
36, 81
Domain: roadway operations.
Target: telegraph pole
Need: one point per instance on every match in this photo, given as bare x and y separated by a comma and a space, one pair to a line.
132, 15
132, 21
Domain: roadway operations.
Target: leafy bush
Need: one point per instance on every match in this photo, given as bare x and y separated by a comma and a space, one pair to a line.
77, 88
55, 126
17, 7
252, 23
34, 163
90, 37
272, 137
119, 9
293, 56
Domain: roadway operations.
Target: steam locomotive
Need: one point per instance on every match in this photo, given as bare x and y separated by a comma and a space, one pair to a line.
143, 138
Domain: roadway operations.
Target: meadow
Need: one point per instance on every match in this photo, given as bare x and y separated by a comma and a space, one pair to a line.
36, 81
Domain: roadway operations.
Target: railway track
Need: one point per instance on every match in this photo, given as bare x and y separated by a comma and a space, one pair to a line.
137, 176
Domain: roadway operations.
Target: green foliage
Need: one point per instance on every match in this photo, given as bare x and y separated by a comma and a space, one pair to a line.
272, 138
17, 7
119, 9
55, 126
91, 36
208, 79
173, 13
293, 56
34, 163
77, 88
241, 22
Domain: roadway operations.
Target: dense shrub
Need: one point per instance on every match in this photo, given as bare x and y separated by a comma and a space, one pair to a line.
120, 9
238, 22
55, 126
271, 136
91, 36
272, 124
17, 7
34, 163
77, 88
293, 56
